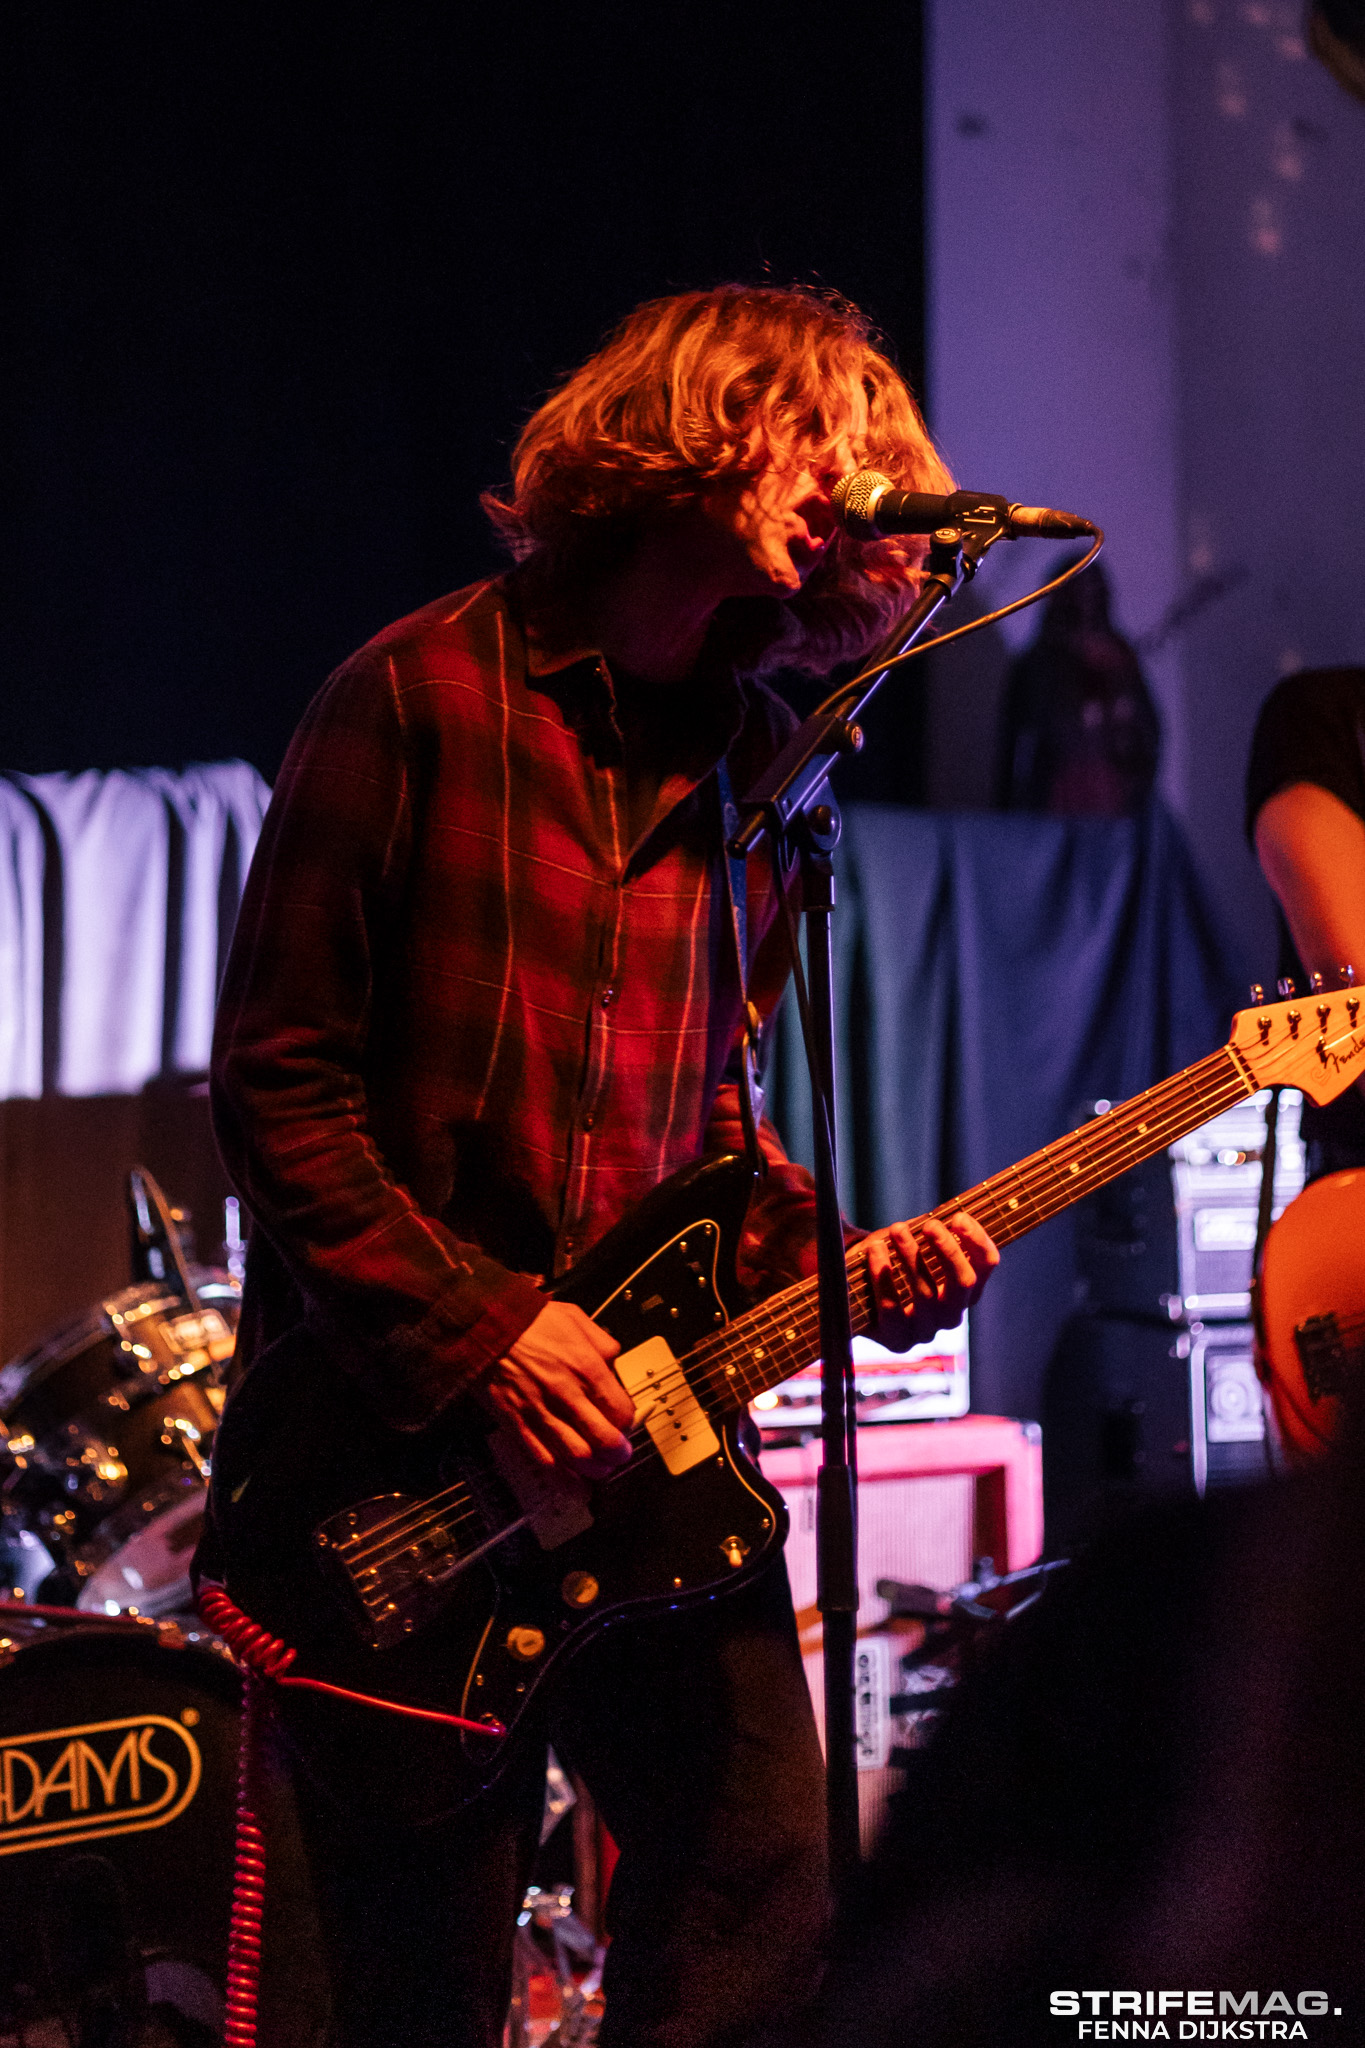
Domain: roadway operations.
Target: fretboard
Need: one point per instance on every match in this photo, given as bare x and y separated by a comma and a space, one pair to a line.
782, 1335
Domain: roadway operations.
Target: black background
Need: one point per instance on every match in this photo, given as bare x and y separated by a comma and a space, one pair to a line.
282, 283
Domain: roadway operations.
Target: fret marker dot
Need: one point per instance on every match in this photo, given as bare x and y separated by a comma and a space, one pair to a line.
1075, 1168
1014, 1201
1142, 1130
759, 1354
790, 1336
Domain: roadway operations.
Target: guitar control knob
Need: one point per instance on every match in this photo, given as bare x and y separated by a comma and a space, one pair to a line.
526, 1644
579, 1589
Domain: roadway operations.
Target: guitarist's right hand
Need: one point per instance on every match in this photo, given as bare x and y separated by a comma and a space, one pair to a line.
557, 1392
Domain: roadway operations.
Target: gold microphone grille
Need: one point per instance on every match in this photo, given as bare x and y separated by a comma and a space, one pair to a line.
855, 500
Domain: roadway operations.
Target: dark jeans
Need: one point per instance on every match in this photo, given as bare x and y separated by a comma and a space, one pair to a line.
694, 1734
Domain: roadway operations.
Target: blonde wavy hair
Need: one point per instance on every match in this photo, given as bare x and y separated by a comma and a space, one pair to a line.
708, 387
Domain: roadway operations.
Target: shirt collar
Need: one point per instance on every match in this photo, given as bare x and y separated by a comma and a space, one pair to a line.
556, 641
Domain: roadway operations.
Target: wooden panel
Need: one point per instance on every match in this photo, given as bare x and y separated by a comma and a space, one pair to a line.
64, 1163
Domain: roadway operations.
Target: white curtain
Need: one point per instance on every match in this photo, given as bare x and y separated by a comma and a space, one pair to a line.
118, 892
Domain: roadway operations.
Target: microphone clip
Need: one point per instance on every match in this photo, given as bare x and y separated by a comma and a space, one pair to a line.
955, 551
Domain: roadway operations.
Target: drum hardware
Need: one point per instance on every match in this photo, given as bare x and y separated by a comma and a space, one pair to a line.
159, 1236
25, 1560
110, 1425
234, 1243
179, 1434
575, 2000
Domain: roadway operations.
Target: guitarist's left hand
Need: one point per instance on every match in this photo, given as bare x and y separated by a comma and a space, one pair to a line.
944, 1285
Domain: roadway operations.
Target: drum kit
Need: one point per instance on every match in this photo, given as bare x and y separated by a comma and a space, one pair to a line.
108, 1429
119, 1708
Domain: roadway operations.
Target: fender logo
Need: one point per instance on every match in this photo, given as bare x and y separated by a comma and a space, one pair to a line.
106, 1778
1337, 1060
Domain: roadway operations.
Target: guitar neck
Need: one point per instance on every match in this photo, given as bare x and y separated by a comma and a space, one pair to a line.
782, 1335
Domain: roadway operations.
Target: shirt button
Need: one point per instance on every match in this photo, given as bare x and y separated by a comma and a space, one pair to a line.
608, 998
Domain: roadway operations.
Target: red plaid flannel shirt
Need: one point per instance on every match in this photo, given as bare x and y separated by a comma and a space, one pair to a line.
465, 1026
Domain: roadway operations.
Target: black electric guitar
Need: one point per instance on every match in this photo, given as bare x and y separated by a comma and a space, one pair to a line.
449, 1540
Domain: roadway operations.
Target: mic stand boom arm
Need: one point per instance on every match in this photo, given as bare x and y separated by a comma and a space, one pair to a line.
787, 802
792, 779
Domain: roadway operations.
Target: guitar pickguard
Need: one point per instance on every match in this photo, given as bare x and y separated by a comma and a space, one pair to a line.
402, 1560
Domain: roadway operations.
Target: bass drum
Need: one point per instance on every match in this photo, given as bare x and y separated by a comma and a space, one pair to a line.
109, 1423
118, 1763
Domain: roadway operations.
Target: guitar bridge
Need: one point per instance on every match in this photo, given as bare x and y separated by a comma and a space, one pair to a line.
396, 1560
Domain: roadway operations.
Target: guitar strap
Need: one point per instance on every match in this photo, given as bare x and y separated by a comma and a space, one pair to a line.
734, 869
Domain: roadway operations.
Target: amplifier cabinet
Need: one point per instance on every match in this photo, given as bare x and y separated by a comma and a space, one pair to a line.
932, 1498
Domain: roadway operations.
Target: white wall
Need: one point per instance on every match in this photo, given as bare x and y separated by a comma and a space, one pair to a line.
1269, 232
1051, 348
1147, 292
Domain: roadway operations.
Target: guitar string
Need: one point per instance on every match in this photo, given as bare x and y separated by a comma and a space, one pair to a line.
1098, 1168
397, 1533
1046, 1167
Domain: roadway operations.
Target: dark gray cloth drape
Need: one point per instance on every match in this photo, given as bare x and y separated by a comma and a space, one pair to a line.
993, 974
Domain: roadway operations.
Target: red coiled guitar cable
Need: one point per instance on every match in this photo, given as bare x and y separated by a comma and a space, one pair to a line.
265, 1657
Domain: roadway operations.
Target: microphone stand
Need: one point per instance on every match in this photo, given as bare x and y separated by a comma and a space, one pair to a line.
792, 802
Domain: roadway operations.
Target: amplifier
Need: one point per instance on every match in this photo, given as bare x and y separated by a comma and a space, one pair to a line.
1133, 1410
926, 1383
932, 1498
1175, 1236
1228, 1443
1116, 1410
1217, 1175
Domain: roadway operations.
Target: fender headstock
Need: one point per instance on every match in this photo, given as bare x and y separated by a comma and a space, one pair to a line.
1314, 1042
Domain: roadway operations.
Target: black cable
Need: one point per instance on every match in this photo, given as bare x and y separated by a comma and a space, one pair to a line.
882, 664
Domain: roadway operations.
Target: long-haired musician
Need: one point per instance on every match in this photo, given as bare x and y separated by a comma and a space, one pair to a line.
479, 1003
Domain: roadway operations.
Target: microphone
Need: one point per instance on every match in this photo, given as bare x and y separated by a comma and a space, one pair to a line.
867, 503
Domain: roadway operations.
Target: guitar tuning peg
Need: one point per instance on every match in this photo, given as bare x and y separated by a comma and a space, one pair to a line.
1257, 994
1315, 984
1346, 977
1287, 985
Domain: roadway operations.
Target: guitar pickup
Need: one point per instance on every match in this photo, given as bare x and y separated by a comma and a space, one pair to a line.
664, 1401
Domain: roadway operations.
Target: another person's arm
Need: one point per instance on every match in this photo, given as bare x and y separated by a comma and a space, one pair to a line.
1312, 852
